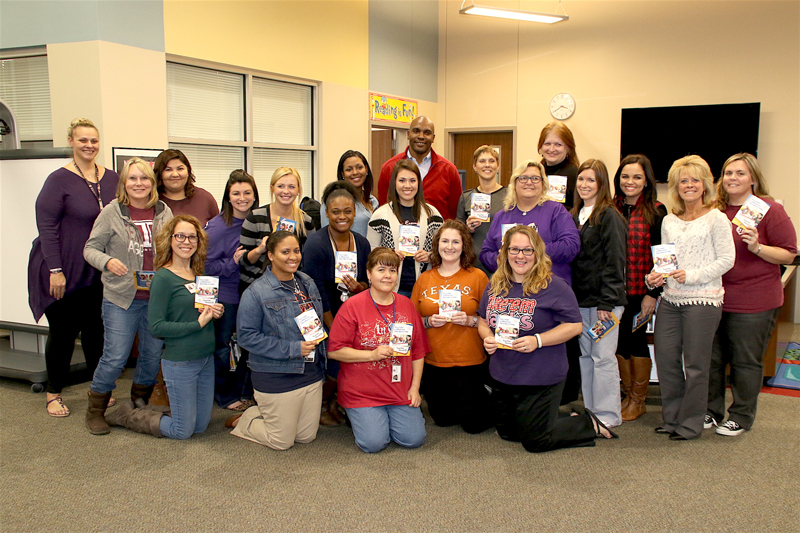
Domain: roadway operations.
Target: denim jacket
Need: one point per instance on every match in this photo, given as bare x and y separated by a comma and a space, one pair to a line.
266, 328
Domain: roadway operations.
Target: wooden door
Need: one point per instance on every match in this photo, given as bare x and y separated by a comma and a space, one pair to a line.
465, 144
382, 150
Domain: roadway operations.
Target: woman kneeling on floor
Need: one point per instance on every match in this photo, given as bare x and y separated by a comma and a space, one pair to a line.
286, 369
379, 385
188, 358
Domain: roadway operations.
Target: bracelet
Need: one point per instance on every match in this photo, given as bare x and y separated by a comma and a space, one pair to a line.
426, 323
538, 339
759, 249
60, 270
475, 322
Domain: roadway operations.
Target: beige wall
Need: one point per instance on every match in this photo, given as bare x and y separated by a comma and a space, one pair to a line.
122, 89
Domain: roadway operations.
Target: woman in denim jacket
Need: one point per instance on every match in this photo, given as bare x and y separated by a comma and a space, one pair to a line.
287, 370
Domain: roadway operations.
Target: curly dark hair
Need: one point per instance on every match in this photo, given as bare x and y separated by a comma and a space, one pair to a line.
467, 253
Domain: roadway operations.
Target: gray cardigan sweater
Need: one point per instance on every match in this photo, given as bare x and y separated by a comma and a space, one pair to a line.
114, 236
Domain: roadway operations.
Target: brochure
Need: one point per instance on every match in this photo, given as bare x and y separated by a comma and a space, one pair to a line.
346, 265
400, 338
207, 291
558, 187
664, 258
639, 320
409, 239
507, 331
449, 302
751, 213
285, 224
481, 205
142, 279
311, 327
601, 328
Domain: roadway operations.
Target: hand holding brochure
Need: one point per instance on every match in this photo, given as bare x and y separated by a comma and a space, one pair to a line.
664, 258
601, 328
142, 279
311, 328
558, 187
285, 224
207, 291
751, 213
506, 331
409, 239
345, 265
639, 320
400, 338
480, 206
449, 302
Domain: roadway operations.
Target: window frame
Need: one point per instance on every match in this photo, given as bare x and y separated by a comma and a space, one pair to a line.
21, 53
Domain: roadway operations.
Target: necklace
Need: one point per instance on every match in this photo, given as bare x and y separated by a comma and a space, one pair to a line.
336, 246
97, 178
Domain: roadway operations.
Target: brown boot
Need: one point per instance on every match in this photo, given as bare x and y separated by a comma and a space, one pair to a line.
625, 379
639, 385
145, 421
328, 413
120, 415
141, 391
159, 395
95, 413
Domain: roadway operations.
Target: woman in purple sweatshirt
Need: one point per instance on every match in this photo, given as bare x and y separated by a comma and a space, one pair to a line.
232, 388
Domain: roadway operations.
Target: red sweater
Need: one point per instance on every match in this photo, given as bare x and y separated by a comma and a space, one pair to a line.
441, 187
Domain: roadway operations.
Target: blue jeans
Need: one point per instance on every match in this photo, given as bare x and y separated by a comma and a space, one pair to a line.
121, 326
229, 387
375, 427
190, 385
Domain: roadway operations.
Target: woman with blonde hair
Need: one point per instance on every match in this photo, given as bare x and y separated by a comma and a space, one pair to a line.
691, 302
188, 358
61, 284
121, 247
557, 148
283, 213
753, 295
529, 372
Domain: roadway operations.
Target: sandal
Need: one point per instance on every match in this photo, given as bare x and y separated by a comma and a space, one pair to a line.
601, 425
243, 405
61, 404
233, 421
111, 402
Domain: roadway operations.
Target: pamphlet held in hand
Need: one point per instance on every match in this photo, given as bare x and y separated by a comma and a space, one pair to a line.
602, 327
207, 291
409, 239
449, 302
558, 187
506, 331
346, 265
751, 213
481, 205
664, 258
400, 338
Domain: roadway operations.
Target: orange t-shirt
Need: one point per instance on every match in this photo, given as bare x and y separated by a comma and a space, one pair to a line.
452, 345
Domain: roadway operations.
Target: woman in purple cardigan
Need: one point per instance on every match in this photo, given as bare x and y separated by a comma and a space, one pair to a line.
61, 284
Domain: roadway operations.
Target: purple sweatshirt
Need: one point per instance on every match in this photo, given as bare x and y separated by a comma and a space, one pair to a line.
222, 243
65, 212
555, 226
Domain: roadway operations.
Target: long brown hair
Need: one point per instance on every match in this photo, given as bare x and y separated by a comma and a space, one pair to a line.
363, 195
649, 194
604, 200
539, 276
467, 253
163, 256
419, 198
237, 176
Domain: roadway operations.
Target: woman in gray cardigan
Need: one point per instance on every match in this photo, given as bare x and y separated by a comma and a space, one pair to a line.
122, 247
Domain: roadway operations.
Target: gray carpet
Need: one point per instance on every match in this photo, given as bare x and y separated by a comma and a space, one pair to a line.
58, 477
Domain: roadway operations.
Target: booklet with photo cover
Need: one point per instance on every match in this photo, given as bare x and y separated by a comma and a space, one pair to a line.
142, 279
311, 327
602, 327
506, 331
285, 224
345, 265
664, 258
640, 319
400, 338
207, 291
558, 187
480, 206
409, 239
751, 213
449, 302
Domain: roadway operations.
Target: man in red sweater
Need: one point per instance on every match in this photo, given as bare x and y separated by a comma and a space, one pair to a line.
441, 183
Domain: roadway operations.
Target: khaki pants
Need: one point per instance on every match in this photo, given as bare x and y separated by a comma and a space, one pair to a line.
280, 420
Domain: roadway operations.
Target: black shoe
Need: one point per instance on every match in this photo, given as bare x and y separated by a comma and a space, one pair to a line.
661, 430
676, 436
601, 425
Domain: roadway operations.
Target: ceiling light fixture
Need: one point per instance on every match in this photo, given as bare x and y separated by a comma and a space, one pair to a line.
512, 14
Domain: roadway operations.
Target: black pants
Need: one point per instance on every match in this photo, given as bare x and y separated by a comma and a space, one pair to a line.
529, 413
572, 385
632, 343
457, 395
77, 312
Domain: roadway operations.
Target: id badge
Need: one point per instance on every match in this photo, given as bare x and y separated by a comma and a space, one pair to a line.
396, 372
309, 358
191, 287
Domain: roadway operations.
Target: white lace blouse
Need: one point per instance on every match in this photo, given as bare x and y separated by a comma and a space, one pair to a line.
705, 250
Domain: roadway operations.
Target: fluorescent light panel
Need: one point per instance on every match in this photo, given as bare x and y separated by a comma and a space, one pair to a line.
512, 14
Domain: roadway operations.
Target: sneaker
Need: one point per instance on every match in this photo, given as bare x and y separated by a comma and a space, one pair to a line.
730, 429
709, 422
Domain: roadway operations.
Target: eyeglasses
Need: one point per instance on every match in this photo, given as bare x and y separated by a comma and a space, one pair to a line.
527, 252
526, 179
180, 237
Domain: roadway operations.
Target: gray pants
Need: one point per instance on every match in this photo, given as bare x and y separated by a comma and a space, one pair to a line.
683, 340
741, 341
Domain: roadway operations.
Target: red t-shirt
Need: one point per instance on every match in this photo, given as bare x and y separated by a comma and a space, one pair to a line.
359, 325
753, 285
143, 219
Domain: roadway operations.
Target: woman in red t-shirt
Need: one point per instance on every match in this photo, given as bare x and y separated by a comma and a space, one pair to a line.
378, 383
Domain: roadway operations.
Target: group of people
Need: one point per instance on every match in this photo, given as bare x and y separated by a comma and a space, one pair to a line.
550, 271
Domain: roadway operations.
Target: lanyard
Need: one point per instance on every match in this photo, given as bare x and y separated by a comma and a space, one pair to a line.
379, 311
97, 177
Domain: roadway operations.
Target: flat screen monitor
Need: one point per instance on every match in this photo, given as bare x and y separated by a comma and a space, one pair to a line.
714, 132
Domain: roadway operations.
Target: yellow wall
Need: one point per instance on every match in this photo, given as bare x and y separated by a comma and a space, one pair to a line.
122, 89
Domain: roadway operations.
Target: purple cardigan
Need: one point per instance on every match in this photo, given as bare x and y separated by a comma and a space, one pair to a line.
222, 243
555, 226
65, 213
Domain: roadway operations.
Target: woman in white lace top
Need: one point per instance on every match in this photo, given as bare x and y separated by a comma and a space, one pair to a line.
691, 303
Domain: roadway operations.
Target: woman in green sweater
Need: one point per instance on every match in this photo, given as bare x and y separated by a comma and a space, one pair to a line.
188, 358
